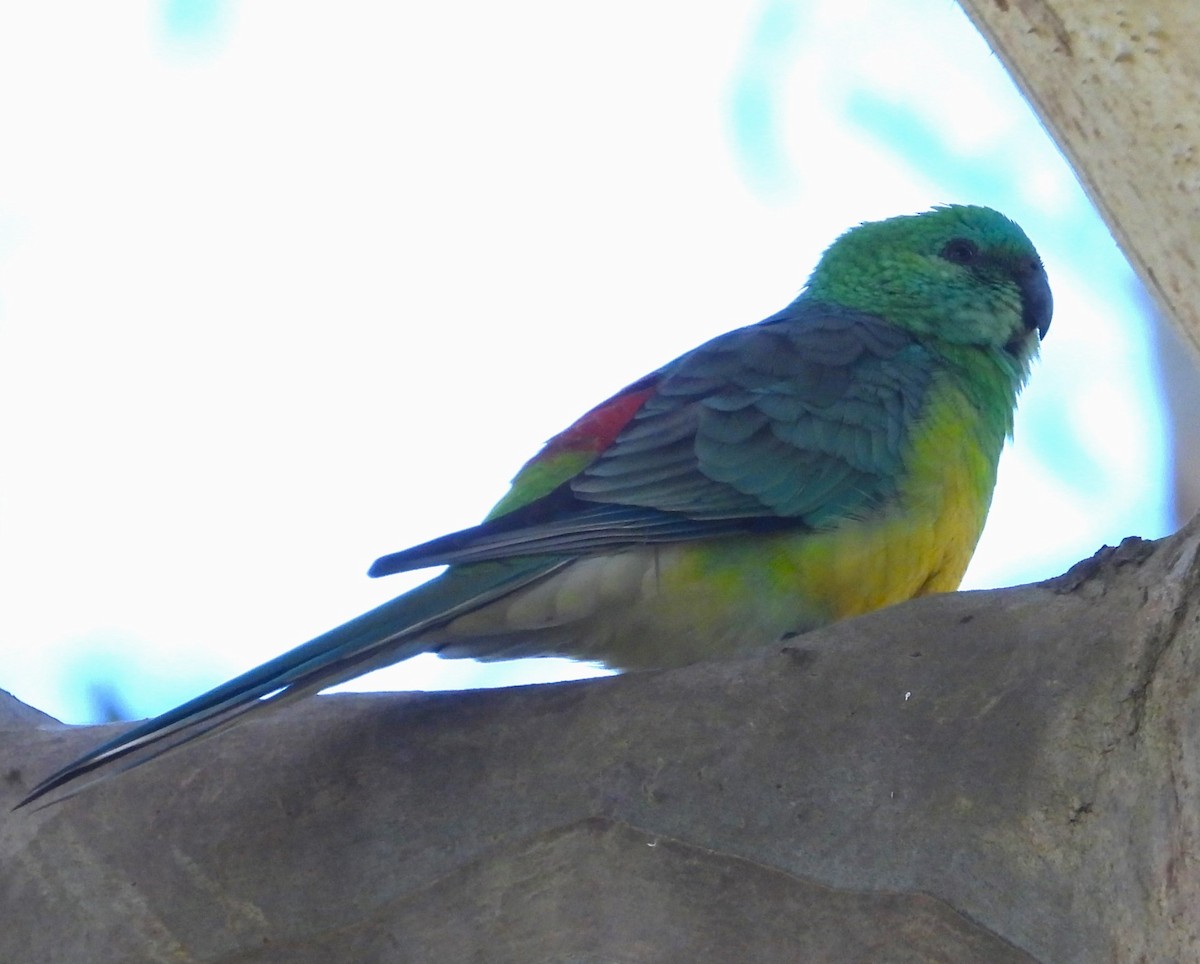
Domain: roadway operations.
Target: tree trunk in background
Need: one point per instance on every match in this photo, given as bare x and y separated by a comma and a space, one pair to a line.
1180, 383
997, 776
1118, 87
1002, 776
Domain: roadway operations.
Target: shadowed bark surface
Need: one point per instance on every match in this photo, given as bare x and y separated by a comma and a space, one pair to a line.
971, 777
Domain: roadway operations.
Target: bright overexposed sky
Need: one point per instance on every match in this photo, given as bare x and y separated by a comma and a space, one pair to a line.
285, 286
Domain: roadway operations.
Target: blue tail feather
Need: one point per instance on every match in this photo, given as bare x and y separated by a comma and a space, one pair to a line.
387, 634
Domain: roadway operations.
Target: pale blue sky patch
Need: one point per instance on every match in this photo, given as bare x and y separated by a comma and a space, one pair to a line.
756, 101
197, 25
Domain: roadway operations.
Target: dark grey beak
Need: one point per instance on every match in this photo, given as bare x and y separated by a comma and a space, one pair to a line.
1037, 302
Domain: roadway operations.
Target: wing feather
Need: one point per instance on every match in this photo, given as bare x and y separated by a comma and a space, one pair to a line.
795, 422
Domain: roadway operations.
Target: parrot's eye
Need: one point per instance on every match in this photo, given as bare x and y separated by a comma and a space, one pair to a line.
961, 251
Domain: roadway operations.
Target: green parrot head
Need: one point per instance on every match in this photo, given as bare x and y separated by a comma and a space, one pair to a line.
957, 275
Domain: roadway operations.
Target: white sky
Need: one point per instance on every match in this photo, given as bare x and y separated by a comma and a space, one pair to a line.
286, 286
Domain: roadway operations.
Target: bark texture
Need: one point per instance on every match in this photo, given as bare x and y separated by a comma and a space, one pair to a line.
999, 776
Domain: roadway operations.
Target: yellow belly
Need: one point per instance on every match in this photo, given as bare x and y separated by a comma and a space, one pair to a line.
924, 541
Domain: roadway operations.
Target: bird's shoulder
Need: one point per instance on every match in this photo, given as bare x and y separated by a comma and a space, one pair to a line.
803, 415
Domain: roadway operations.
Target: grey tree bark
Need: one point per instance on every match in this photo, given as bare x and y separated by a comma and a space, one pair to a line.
996, 776
1002, 776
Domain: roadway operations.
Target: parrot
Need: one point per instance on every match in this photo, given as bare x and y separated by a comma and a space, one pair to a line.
835, 458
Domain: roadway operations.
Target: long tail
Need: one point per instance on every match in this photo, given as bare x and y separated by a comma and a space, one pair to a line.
385, 635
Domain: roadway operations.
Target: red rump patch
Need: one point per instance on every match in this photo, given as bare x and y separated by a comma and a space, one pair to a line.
599, 428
